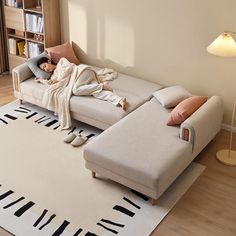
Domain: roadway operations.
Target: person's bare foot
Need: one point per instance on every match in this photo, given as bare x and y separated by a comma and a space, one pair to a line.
123, 103
106, 86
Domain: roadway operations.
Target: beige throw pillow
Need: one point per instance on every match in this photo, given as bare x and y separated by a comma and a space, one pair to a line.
171, 96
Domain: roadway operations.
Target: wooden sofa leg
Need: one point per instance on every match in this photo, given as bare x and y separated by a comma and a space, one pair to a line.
93, 174
21, 101
153, 201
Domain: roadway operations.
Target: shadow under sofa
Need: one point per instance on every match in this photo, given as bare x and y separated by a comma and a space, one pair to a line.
137, 148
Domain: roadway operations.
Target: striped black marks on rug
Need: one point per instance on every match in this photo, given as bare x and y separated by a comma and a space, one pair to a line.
144, 197
3, 121
90, 234
72, 130
6, 194
13, 203
90, 136
132, 203
30, 116
20, 111
48, 221
23, 209
124, 210
40, 218
111, 230
61, 229
41, 121
112, 223
51, 123
40, 118
78, 232
10, 117
56, 127
26, 109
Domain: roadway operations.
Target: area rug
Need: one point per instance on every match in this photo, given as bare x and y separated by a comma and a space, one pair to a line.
46, 190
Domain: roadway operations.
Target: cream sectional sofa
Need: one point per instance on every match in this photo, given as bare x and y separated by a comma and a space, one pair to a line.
137, 148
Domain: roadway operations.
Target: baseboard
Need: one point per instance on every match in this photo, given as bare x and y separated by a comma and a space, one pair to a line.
228, 127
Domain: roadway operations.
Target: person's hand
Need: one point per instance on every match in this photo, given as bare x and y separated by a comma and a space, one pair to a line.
50, 82
106, 86
37, 79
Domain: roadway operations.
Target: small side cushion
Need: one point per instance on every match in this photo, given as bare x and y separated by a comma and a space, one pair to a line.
32, 64
185, 109
171, 96
63, 50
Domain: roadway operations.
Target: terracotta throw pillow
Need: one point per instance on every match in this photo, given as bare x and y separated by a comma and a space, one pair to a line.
185, 109
63, 50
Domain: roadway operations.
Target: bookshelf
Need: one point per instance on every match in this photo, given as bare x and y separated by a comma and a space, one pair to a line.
32, 26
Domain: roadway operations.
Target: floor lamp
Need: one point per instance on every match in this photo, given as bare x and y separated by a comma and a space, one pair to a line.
225, 46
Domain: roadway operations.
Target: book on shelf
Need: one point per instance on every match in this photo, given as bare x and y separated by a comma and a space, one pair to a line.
13, 46
21, 48
34, 23
34, 49
14, 3
16, 46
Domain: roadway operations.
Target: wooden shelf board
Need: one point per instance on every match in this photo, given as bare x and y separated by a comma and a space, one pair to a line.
34, 10
35, 41
34, 32
16, 36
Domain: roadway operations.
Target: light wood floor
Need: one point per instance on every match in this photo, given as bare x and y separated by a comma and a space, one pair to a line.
209, 206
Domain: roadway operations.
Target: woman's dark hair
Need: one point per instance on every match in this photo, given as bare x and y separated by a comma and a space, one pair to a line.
42, 60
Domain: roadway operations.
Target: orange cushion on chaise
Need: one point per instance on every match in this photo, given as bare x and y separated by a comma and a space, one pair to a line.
185, 109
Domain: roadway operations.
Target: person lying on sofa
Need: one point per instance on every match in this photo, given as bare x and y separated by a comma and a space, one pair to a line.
68, 79
89, 83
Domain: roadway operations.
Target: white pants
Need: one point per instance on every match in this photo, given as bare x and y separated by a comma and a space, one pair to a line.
95, 89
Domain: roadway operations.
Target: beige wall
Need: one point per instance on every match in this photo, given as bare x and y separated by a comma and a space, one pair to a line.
158, 40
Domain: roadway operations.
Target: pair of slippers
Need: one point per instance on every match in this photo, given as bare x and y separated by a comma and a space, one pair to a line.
77, 140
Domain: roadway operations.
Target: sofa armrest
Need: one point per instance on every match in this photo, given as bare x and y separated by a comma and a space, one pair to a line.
19, 74
202, 126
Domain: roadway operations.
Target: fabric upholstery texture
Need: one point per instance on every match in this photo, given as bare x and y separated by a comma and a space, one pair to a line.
133, 148
63, 50
185, 109
32, 63
171, 96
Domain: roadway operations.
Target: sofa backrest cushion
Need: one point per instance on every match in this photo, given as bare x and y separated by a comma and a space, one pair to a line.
185, 109
171, 96
63, 50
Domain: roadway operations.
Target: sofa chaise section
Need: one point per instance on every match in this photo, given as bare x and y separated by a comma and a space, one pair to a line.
143, 153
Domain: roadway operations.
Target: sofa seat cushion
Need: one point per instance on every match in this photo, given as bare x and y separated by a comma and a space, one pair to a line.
33, 89
105, 112
136, 91
142, 148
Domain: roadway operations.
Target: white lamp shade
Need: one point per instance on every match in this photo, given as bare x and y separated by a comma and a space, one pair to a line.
224, 46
